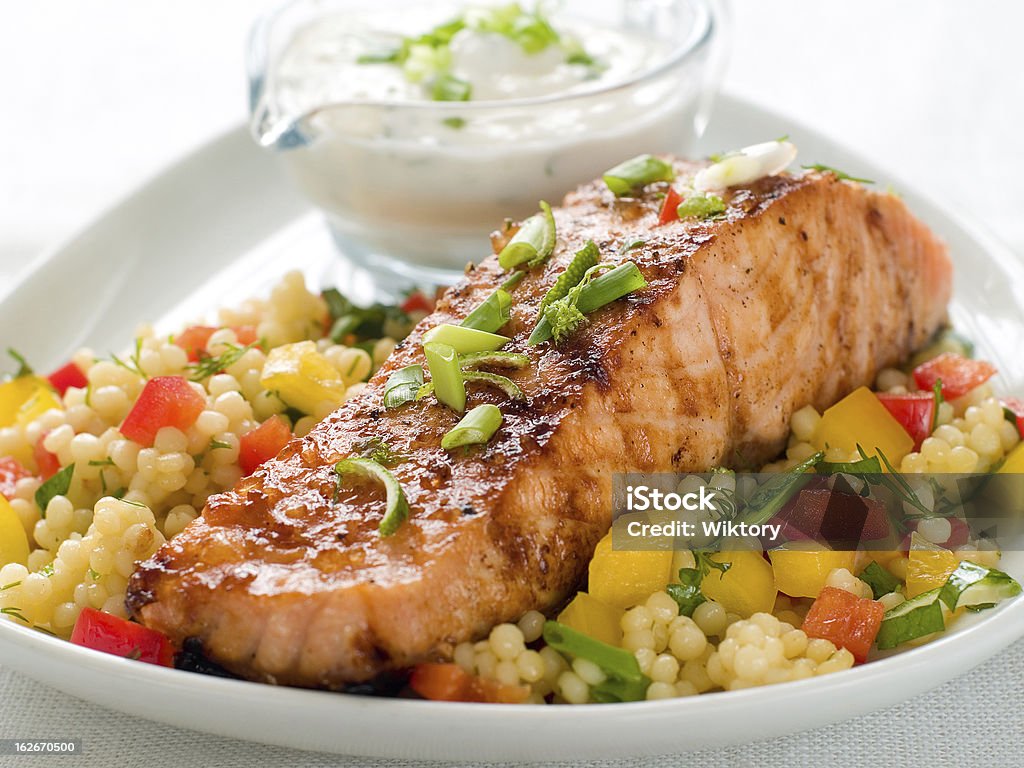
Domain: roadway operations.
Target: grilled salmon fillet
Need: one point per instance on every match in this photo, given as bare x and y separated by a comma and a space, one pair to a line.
800, 293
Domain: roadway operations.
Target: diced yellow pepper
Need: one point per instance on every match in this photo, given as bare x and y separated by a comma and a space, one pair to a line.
748, 587
42, 400
590, 616
1014, 463
801, 571
625, 578
861, 419
16, 393
929, 566
13, 541
302, 377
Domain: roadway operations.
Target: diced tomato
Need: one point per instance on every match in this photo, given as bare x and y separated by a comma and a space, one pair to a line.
11, 472
959, 375
194, 340
450, 682
845, 620
841, 520
68, 376
416, 302
1016, 407
47, 463
265, 442
119, 637
246, 334
915, 412
670, 208
165, 401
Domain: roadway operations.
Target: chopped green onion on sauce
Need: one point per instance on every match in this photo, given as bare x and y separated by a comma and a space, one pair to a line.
476, 427
476, 360
402, 385
396, 511
503, 383
590, 295
533, 243
701, 206
447, 87
465, 340
491, 314
636, 173
445, 375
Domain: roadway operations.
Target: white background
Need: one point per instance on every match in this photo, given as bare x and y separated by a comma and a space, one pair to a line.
97, 96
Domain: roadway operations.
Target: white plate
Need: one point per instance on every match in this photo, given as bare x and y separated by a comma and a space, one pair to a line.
222, 225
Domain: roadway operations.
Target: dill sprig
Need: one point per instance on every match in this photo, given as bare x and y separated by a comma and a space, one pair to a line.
209, 366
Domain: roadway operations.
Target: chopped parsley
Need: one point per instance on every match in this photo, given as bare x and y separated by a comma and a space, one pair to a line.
58, 485
841, 175
687, 593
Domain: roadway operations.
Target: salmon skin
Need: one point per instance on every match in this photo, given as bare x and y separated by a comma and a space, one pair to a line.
798, 294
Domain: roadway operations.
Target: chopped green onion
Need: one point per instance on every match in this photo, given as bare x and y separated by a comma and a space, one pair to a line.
402, 385
973, 585
397, 510
880, 580
626, 681
637, 172
841, 175
533, 243
58, 485
609, 287
585, 259
513, 280
503, 383
773, 495
491, 314
477, 427
445, 375
447, 87
914, 618
475, 360
465, 340
701, 206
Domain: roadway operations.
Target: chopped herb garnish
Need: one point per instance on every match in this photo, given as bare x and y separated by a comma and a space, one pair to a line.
772, 496
896, 483
58, 485
402, 386
396, 510
46, 570
455, 123
364, 323
476, 360
701, 206
939, 400
463, 339
842, 176
24, 369
15, 613
216, 445
378, 450
450, 88
503, 383
476, 428
636, 173
107, 462
687, 593
94, 575
585, 259
210, 366
880, 580
533, 243
134, 363
12, 585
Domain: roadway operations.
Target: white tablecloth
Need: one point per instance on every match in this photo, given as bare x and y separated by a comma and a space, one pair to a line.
97, 97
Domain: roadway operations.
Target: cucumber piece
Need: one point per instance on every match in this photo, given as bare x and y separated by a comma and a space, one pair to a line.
912, 619
971, 585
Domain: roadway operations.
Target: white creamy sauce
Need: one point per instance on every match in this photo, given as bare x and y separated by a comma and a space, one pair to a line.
424, 181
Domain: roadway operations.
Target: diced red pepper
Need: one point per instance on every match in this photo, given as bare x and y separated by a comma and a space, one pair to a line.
11, 472
846, 620
915, 412
194, 340
1016, 407
450, 682
47, 463
66, 377
263, 443
670, 208
959, 374
165, 401
120, 637
416, 302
